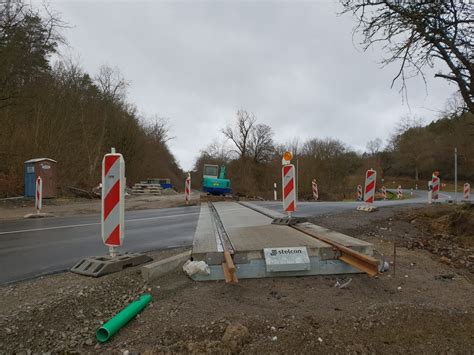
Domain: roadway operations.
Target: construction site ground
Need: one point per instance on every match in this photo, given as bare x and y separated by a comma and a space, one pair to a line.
422, 305
60, 207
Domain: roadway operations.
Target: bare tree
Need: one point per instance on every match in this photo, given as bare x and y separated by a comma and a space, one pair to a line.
111, 83
261, 143
418, 33
374, 146
219, 150
240, 134
158, 129
454, 107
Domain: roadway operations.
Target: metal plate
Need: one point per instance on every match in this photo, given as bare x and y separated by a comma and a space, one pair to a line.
286, 259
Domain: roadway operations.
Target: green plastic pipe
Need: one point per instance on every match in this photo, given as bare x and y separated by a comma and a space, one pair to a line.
107, 330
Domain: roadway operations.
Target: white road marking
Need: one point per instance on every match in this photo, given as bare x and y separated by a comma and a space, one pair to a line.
93, 224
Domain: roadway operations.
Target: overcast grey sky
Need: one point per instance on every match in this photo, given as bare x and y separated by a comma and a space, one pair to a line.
293, 64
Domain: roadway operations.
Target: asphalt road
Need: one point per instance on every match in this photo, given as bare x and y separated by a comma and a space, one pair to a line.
34, 247
307, 209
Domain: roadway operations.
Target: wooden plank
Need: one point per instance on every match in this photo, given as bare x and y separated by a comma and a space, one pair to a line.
229, 261
227, 274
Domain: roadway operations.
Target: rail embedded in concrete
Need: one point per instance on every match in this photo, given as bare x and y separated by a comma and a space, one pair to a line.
359, 260
251, 236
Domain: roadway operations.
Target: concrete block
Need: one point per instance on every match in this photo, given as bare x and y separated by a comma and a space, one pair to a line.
366, 208
96, 266
38, 215
162, 267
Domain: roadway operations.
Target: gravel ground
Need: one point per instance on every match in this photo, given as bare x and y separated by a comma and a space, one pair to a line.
423, 306
60, 207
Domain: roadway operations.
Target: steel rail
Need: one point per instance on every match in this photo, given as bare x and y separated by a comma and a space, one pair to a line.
228, 265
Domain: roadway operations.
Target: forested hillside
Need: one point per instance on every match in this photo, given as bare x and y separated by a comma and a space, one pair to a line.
56, 110
419, 150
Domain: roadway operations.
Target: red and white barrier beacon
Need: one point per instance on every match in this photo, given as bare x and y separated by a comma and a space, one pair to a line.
113, 201
288, 184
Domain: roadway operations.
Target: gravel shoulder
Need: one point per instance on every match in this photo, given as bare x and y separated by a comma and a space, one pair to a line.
420, 306
61, 207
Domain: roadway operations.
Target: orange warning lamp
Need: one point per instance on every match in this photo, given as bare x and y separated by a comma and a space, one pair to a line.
286, 158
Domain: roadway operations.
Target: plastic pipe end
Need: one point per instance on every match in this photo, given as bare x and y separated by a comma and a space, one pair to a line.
102, 335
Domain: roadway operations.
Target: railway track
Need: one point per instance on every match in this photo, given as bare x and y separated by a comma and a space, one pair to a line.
226, 245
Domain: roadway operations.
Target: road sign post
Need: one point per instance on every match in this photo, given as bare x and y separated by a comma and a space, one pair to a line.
187, 189
39, 194
399, 192
467, 191
288, 187
369, 190
113, 201
435, 181
314, 187
359, 192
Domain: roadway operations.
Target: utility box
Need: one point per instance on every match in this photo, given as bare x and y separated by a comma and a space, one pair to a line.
46, 168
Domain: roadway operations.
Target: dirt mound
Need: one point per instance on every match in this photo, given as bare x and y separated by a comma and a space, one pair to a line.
447, 231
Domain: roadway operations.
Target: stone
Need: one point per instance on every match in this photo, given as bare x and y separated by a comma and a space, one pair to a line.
235, 336
445, 260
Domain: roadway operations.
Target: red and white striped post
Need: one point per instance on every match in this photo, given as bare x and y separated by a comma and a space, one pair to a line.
434, 187
187, 189
467, 191
314, 186
359, 192
399, 192
113, 200
288, 184
384, 192
39, 194
369, 190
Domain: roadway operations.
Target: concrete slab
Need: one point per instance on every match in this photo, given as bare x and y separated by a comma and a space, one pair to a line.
345, 240
257, 269
266, 211
161, 267
234, 215
250, 231
205, 235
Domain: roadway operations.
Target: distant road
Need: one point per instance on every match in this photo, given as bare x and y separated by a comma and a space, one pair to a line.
307, 209
32, 247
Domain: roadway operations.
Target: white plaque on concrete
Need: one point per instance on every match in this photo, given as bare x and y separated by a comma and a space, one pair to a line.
286, 259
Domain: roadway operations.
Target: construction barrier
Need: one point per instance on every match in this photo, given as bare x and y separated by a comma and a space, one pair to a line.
314, 186
113, 200
39, 194
359, 192
467, 191
288, 188
435, 187
399, 192
384, 192
369, 191
187, 189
